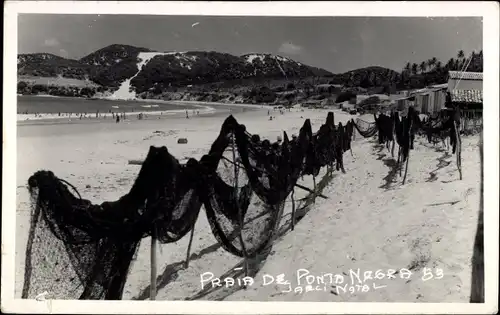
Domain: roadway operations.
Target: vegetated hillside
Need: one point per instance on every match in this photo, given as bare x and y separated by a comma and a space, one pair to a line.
196, 67
112, 54
368, 77
49, 65
113, 64
257, 76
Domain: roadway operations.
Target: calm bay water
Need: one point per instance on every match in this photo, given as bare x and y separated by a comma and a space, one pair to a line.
54, 105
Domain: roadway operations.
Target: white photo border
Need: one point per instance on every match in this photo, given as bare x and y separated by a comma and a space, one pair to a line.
488, 10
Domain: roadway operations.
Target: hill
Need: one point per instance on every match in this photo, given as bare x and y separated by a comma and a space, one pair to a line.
208, 73
50, 65
112, 65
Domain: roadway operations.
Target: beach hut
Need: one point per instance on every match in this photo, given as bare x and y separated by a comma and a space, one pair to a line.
466, 90
429, 100
465, 81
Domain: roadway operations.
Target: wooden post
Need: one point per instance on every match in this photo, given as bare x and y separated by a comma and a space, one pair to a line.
293, 208
458, 150
186, 265
406, 168
399, 160
393, 137
152, 287
409, 146
314, 182
240, 213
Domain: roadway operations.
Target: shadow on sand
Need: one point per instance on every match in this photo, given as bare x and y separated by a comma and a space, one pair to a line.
442, 164
393, 171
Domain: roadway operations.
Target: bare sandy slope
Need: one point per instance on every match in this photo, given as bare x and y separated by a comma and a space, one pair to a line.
368, 222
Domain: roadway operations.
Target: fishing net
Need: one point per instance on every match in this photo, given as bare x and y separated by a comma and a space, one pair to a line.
365, 128
91, 246
328, 146
385, 126
442, 128
80, 250
245, 200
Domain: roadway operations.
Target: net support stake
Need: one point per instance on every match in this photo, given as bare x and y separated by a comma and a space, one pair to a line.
459, 149
293, 209
409, 145
240, 214
314, 182
399, 159
406, 168
186, 265
152, 287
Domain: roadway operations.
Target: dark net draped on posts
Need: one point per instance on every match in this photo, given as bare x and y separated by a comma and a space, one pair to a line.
403, 129
80, 250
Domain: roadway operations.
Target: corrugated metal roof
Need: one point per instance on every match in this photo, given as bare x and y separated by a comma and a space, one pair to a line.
439, 86
466, 75
467, 96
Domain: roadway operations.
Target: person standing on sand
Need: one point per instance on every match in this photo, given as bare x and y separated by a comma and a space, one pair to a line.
117, 119
187, 115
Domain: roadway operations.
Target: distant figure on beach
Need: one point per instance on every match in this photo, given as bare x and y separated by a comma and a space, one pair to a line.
187, 115
117, 119
97, 114
197, 112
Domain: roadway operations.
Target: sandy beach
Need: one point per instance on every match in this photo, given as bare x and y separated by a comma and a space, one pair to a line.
47, 109
369, 221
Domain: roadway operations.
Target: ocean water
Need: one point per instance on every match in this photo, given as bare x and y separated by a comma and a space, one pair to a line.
55, 105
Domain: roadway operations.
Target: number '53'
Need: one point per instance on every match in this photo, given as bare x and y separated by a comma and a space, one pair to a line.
428, 274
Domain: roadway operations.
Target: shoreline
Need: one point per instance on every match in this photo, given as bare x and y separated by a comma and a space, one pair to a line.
203, 106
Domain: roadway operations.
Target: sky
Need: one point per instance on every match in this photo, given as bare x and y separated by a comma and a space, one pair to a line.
337, 44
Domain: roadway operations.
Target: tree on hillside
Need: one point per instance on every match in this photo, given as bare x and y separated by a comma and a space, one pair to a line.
366, 82
423, 66
431, 62
439, 66
408, 67
450, 64
414, 68
461, 59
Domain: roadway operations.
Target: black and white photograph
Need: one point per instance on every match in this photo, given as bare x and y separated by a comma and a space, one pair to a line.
197, 156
